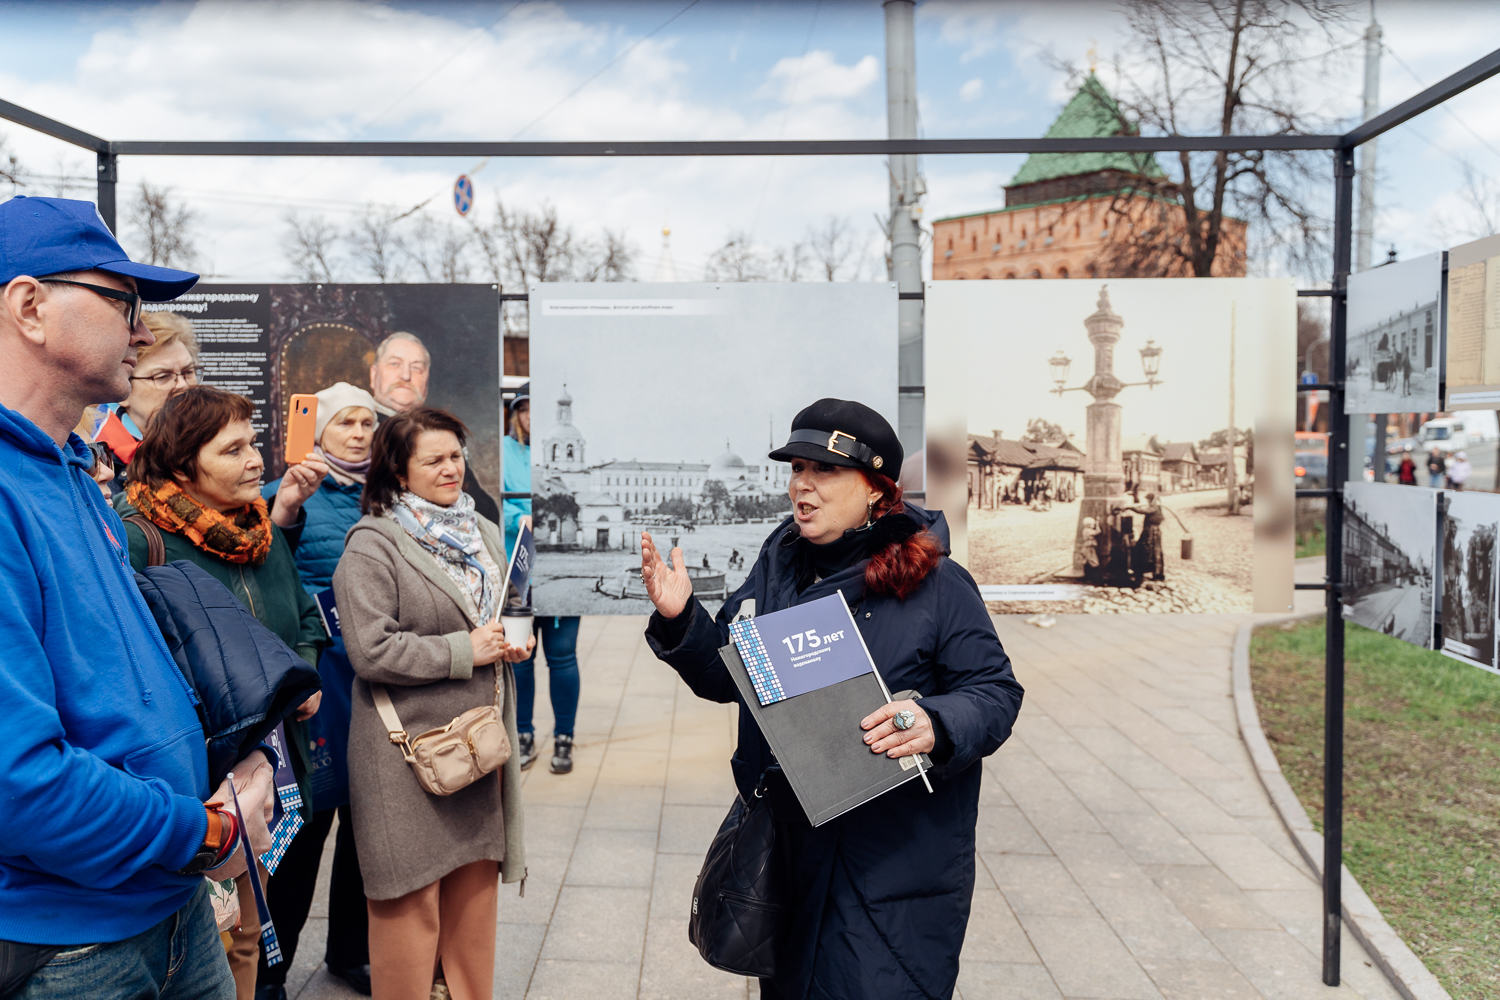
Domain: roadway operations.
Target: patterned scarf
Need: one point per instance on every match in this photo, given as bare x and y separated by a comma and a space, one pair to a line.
344, 473
240, 536
451, 534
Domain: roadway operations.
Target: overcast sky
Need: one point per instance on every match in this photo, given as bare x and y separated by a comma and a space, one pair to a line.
622, 70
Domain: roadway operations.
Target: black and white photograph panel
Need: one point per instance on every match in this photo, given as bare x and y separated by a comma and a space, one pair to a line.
654, 407
1390, 544
1098, 443
1395, 346
1471, 522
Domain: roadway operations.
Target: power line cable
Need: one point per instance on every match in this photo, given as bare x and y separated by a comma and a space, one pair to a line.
633, 46
474, 37
1422, 83
786, 119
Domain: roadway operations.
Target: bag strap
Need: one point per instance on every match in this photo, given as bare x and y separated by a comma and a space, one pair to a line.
156, 548
392, 721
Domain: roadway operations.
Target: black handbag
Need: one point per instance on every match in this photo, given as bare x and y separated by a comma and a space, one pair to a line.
739, 901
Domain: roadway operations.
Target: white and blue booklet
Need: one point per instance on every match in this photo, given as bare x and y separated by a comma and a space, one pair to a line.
807, 678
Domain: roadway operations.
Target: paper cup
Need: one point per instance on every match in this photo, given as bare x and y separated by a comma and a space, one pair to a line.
518, 626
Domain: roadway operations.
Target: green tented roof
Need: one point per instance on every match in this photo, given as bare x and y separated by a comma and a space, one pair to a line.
1091, 113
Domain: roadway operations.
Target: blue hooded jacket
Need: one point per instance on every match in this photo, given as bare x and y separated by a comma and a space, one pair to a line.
102, 768
515, 462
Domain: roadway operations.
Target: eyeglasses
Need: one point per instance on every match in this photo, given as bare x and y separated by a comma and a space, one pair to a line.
132, 300
165, 380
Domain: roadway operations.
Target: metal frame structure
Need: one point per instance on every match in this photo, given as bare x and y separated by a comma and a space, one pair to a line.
1342, 146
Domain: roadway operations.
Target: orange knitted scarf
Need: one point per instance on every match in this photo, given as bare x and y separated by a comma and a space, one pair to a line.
242, 535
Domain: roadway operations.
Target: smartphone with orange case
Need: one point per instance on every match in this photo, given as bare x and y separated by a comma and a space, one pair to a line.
301, 421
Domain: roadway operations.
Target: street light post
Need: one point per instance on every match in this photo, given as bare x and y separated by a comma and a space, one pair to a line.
1104, 473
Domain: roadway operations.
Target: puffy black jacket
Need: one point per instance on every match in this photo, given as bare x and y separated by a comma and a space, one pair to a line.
882, 893
247, 679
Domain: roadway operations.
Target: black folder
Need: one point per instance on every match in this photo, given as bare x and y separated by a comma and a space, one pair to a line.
818, 742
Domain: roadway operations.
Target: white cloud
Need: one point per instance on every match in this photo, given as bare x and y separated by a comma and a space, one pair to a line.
818, 76
971, 90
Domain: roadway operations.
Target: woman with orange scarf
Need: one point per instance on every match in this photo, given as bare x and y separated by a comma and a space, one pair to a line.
196, 478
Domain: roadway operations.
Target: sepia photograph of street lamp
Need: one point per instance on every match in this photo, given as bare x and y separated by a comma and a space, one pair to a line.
1123, 501
1095, 546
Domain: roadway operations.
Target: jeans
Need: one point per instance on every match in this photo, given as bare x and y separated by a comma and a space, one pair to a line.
558, 638
180, 958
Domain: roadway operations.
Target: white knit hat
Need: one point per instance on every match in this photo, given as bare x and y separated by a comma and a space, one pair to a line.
336, 398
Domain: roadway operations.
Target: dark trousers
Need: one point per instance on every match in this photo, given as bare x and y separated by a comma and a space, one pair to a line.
289, 895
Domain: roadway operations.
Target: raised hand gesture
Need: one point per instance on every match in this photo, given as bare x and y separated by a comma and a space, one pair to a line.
298, 485
669, 587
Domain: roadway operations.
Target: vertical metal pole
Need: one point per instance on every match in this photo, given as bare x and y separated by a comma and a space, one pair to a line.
1234, 486
906, 237
108, 174
1367, 152
1333, 651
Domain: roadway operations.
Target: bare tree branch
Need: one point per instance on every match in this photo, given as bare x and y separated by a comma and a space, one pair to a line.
374, 243
1221, 67
311, 247
160, 234
831, 246
736, 260
1479, 209
788, 263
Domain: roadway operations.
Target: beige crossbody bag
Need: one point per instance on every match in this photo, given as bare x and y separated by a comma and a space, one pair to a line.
458, 754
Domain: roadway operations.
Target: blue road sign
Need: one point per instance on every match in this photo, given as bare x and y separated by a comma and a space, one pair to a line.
463, 194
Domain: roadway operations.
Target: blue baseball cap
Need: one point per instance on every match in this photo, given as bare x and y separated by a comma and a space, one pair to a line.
42, 236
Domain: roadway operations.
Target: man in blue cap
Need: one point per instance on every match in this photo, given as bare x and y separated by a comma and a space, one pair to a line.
105, 836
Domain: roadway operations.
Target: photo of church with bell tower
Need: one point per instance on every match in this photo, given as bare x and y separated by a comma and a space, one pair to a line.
654, 408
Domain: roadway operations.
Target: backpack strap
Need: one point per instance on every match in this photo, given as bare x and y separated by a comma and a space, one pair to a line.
156, 548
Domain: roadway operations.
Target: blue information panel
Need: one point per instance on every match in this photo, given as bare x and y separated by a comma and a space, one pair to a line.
801, 649
522, 561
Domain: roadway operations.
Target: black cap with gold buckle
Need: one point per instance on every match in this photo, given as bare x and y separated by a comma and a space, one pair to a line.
818, 433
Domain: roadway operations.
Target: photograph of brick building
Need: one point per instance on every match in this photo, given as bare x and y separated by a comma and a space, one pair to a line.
1390, 544
1079, 215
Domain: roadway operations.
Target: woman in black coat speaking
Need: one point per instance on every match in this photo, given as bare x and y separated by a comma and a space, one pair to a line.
880, 895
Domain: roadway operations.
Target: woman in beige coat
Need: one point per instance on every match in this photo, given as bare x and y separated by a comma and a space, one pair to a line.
419, 591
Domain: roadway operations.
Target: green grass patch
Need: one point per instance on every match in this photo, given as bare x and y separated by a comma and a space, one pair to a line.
1311, 542
1421, 785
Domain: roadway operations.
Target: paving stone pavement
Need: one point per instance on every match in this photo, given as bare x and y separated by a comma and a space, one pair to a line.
1126, 849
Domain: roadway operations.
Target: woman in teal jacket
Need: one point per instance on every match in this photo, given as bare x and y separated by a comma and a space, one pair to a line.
343, 432
557, 635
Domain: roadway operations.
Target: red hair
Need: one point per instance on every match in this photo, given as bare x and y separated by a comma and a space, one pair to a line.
900, 567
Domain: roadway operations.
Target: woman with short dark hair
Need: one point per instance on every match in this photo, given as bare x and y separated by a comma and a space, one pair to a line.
195, 482
419, 590
879, 896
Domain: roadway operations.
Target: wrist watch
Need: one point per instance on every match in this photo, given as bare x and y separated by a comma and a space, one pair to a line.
218, 841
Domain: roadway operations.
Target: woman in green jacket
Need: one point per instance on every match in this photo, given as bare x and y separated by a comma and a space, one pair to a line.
196, 478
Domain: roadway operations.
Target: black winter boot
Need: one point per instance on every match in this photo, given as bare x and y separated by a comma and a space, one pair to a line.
528, 750
562, 754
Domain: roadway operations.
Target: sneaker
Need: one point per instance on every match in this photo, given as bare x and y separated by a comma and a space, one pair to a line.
528, 750
562, 754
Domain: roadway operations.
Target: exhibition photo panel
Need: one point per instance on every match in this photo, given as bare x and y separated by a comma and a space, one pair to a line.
1471, 522
1394, 348
1115, 446
1473, 369
654, 407
1390, 546
438, 345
